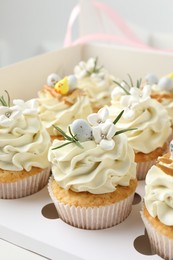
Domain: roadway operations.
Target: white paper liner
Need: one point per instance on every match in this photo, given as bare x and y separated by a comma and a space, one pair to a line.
142, 169
160, 244
24, 187
93, 218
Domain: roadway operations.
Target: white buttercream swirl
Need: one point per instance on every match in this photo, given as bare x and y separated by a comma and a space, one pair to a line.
92, 168
55, 112
24, 143
159, 195
150, 119
98, 85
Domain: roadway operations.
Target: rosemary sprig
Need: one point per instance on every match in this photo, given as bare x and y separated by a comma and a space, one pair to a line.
125, 90
123, 130
3, 101
70, 138
95, 69
129, 85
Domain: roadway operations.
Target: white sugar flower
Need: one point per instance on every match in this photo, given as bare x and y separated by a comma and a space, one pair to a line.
8, 115
103, 135
80, 70
118, 91
28, 107
90, 64
138, 99
100, 117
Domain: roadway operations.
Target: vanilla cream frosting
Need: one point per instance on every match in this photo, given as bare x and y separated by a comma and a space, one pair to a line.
55, 112
24, 142
159, 194
146, 115
92, 168
95, 81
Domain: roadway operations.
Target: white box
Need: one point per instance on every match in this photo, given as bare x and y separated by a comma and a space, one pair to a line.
21, 220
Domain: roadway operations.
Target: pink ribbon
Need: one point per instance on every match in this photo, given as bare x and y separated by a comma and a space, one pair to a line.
129, 38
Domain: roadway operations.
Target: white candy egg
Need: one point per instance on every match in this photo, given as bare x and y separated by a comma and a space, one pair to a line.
151, 79
72, 81
52, 78
165, 84
82, 130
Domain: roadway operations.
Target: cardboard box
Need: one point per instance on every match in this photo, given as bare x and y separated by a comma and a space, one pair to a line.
28, 222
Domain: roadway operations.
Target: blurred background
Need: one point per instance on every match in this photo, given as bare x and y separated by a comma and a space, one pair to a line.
32, 27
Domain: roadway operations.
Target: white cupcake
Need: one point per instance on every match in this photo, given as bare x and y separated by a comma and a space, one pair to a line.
157, 214
150, 120
94, 174
24, 144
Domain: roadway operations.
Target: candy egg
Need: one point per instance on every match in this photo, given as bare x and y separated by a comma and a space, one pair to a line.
82, 130
72, 81
165, 84
52, 79
62, 86
151, 79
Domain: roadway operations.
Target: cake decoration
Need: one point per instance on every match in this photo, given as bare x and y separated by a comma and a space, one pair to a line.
3, 102
99, 128
52, 79
124, 87
66, 85
86, 69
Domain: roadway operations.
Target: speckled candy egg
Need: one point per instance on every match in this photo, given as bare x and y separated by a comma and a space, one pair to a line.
52, 79
165, 84
82, 130
151, 79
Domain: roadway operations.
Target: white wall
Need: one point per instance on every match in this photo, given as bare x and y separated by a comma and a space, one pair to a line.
30, 27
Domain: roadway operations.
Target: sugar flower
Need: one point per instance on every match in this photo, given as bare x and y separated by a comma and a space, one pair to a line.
100, 117
103, 135
138, 99
8, 115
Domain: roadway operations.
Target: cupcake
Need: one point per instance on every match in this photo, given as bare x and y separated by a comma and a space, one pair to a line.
149, 119
93, 174
162, 91
95, 81
157, 213
24, 144
60, 102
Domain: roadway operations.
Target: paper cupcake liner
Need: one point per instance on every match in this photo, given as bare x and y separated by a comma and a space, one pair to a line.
160, 244
24, 187
142, 169
93, 218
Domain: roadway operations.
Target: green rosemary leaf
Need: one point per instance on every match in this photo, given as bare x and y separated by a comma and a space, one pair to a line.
57, 147
124, 130
79, 144
131, 81
138, 84
62, 132
129, 86
118, 117
73, 136
8, 98
125, 90
3, 102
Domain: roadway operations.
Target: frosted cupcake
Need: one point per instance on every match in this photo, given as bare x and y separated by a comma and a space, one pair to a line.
157, 214
95, 81
94, 174
60, 102
24, 144
162, 91
150, 119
